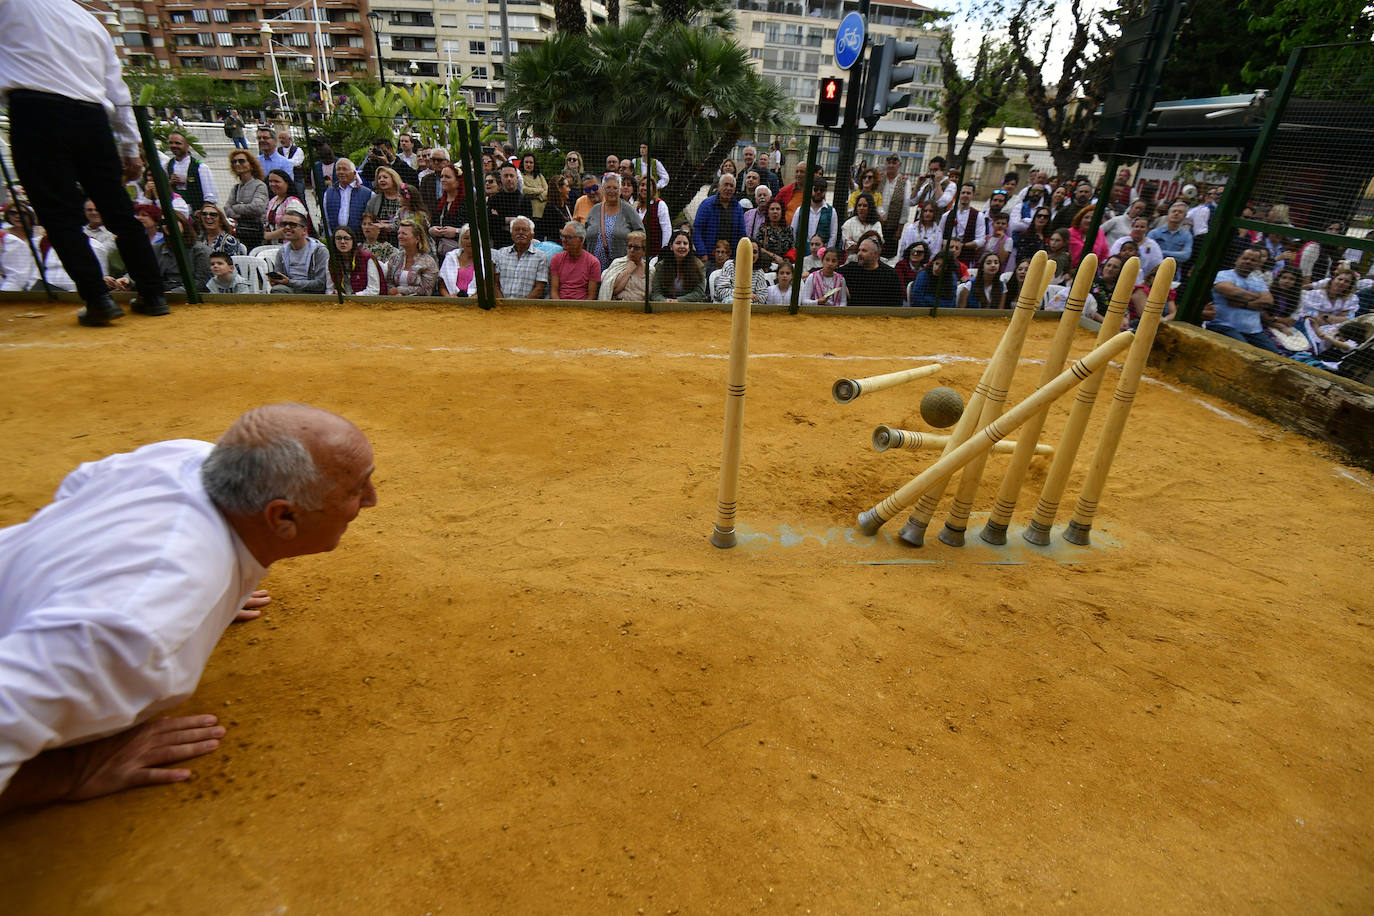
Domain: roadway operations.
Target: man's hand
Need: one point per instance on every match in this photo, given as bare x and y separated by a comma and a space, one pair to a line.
128, 760
133, 167
250, 610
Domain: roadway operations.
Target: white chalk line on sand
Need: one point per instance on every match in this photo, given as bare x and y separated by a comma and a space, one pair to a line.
1344, 472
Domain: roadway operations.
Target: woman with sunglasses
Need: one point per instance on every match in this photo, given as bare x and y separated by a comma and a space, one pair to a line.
214, 231
247, 203
351, 268
914, 258
1036, 236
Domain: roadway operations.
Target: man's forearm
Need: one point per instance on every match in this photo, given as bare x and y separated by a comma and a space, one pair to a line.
47, 778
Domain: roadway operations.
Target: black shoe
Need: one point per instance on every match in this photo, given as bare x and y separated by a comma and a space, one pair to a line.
155, 305
100, 313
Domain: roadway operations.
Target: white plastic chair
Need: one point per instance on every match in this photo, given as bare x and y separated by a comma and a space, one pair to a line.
254, 270
263, 251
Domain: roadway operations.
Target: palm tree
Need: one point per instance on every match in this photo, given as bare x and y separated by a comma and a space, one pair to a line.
717, 14
568, 17
689, 92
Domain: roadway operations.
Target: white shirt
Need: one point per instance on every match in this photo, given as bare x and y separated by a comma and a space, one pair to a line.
17, 263
207, 181
665, 222
1150, 254
642, 168
961, 218
1201, 217
112, 598
56, 46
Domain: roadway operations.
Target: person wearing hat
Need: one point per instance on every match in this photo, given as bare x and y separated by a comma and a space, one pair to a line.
71, 115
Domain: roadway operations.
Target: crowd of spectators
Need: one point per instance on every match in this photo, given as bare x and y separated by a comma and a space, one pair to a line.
396, 224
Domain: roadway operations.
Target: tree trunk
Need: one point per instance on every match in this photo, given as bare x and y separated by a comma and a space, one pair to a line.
613, 12
674, 11
568, 17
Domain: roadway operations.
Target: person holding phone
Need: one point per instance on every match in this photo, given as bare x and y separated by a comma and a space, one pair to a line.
301, 264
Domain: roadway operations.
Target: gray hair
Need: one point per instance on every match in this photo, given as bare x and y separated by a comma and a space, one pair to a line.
260, 459
577, 229
519, 219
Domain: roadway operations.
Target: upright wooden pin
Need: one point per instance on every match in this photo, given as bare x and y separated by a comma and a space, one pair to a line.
968, 422
1082, 370
1122, 400
727, 495
1038, 532
995, 531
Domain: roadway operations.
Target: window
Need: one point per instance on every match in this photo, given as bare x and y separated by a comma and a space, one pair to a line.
210, 63
206, 40
300, 40
477, 23
448, 20
200, 15
477, 47
220, 15
479, 73
523, 23
226, 40
230, 63
484, 97
758, 25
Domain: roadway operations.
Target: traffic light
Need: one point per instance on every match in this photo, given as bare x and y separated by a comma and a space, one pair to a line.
880, 94
828, 105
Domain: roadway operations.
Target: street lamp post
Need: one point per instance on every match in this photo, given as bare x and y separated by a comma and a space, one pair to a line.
374, 19
280, 92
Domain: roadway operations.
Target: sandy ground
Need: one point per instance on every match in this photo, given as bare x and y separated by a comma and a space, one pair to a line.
526, 683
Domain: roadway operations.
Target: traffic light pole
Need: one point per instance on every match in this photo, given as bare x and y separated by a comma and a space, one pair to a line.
849, 132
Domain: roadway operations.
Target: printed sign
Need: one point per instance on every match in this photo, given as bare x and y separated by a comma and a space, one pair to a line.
849, 40
1172, 167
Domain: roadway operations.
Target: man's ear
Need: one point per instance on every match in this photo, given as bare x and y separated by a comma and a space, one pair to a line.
281, 519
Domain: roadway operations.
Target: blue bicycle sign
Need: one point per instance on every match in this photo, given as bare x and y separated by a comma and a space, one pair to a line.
849, 40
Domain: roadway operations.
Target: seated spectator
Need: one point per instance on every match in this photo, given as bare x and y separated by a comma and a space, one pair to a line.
1078, 232
780, 291
574, 273
626, 279
197, 258
1104, 284
723, 281
522, 271
826, 286
758, 216
150, 196
1325, 308
300, 264
391, 202
412, 271
1118, 227
1147, 249
351, 268
214, 232
1140, 297
985, 289
1014, 281
812, 261
372, 242
935, 287
912, 262
679, 276
866, 219
224, 280
1035, 237
19, 254
102, 239
282, 202
999, 241
1239, 297
870, 282
457, 275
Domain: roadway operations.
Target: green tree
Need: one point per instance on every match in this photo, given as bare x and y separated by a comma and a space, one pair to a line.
569, 18
970, 102
603, 92
1278, 27
716, 14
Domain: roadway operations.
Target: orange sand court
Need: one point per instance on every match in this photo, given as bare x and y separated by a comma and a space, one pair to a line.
527, 684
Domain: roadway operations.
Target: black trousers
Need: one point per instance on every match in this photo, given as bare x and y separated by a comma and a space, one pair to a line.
64, 151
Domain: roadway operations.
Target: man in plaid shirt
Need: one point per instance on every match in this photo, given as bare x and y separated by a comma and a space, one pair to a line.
522, 272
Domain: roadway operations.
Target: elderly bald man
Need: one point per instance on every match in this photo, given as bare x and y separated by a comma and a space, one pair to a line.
113, 596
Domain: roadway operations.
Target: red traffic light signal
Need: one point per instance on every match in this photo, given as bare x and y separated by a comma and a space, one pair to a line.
828, 104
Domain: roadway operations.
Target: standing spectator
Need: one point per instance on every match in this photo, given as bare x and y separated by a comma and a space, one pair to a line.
270, 158
247, 204
522, 271
658, 225
535, 186
1036, 237
1147, 248
924, 227
389, 202
610, 222
934, 187
233, 129
590, 197
719, 217
1240, 296
188, 175
894, 191
446, 216
790, 195
300, 264
322, 171
1082, 197
642, 164
406, 151
821, 218
346, 199
966, 224
868, 184
352, 269
413, 270
775, 239
756, 217
574, 273
999, 241
65, 89
508, 203
558, 210
1174, 239
288, 148
1118, 227
869, 281
282, 202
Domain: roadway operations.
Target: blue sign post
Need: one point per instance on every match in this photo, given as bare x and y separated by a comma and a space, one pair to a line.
849, 40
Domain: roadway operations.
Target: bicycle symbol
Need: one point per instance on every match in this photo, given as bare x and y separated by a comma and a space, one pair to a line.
852, 39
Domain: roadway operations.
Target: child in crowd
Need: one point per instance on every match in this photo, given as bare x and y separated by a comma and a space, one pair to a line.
223, 278
812, 262
825, 286
780, 292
